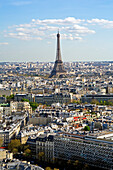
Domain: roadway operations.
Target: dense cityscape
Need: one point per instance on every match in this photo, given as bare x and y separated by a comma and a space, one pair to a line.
56, 85
57, 115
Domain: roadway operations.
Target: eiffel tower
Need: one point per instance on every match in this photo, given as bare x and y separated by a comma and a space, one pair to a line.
58, 70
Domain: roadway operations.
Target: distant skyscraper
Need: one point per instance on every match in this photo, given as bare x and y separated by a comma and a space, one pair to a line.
58, 69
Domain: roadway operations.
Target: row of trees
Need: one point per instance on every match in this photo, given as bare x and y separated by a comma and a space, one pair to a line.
68, 165
108, 102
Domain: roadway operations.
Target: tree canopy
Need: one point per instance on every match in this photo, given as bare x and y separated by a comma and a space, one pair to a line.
34, 105
87, 128
14, 144
1, 142
24, 100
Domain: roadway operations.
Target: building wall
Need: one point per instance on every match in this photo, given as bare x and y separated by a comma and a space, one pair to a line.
5, 92
89, 98
42, 148
7, 135
2, 154
53, 98
20, 107
39, 120
19, 97
2, 99
47, 148
5, 154
94, 153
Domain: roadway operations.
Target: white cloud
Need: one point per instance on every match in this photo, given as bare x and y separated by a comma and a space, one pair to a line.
66, 21
102, 22
79, 29
21, 3
70, 28
23, 36
66, 36
3, 43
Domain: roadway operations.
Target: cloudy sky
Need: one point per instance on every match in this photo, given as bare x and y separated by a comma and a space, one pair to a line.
28, 30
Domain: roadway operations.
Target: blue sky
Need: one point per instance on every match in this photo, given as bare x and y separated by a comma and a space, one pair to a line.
28, 30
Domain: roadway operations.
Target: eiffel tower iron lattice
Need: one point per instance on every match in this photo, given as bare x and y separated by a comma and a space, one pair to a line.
58, 69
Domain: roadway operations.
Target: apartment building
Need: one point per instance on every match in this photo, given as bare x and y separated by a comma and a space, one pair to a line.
100, 97
6, 134
53, 98
20, 107
19, 97
42, 147
88, 149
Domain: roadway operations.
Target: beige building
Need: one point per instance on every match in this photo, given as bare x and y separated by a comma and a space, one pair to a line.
40, 120
20, 107
24, 135
5, 154
5, 111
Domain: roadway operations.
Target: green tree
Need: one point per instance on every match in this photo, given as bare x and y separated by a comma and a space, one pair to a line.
10, 98
27, 152
92, 113
76, 101
41, 155
15, 143
15, 150
87, 128
94, 101
48, 168
26, 147
34, 105
1, 142
69, 162
105, 102
101, 102
86, 167
24, 100
76, 163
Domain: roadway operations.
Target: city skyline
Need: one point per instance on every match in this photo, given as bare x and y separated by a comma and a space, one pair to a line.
28, 30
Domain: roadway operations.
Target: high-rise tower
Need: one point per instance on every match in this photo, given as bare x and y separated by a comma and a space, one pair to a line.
58, 69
